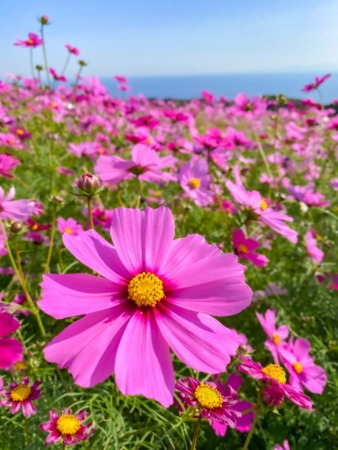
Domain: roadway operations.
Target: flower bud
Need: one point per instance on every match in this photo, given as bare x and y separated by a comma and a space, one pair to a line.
88, 184
16, 227
57, 199
44, 20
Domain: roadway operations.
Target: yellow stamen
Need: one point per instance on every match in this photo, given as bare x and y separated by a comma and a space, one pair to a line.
53, 105
208, 396
243, 248
68, 424
68, 231
145, 289
30, 42
35, 227
20, 393
298, 368
20, 132
263, 205
276, 372
276, 339
194, 183
20, 366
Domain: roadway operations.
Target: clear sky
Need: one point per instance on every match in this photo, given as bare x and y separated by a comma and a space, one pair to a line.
164, 37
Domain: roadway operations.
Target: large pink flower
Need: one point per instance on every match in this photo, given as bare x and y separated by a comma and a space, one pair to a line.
154, 292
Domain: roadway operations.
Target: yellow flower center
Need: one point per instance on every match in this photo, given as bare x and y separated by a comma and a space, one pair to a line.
20, 366
208, 396
194, 183
298, 368
68, 231
20, 393
68, 424
53, 105
276, 372
30, 42
276, 339
20, 132
145, 289
263, 205
243, 248
35, 227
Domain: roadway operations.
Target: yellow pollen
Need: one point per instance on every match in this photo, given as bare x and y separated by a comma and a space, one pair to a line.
68, 424
68, 231
20, 393
20, 366
263, 205
243, 248
53, 105
30, 42
194, 183
19, 132
208, 396
35, 227
145, 289
276, 339
148, 140
298, 368
276, 372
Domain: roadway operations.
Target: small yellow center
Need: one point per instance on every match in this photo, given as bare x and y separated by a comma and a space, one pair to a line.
53, 105
263, 205
20, 366
243, 248
276, 372
20, 393
30, 42
194, 183
145, 289
298, 368
68, 424
19, 132
68, 231
35, 227
208, 396
276, 339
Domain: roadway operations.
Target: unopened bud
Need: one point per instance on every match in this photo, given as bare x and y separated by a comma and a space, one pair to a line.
16, 227
82, 63
88, 185
282, 100
57, 199
44, 20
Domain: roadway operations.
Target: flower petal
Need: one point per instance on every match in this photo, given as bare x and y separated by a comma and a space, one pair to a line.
8, 323
11, 351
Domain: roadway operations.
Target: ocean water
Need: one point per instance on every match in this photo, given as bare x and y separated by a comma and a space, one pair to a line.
189, 86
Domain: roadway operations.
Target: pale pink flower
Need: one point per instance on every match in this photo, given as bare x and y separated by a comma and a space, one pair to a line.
14, 209
68, 226
311, 246
276, 336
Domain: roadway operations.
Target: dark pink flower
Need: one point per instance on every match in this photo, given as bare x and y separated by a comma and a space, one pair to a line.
120, 79
11, 349
56, 76
32, 41
276, 336
315, 85
245, 248
75, 51
67, 427
153, 293
21, 396
7, 163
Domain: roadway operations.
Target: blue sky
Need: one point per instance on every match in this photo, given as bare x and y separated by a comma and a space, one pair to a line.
163, 37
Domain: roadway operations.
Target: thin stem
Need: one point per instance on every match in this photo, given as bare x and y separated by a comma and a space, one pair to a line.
90, 214
261, 151
31, 62
45, 56
51, 238
27, 431
66, 64
63, 445
196, 430
252, 429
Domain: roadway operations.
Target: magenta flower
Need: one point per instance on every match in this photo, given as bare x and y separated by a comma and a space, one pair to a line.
32, 41
276, 336
311, 246
120, 79
21, 396
194, 178
315, 85
154, 292
56, 76
67, 427
303, 370
68, 226
215, 405
145, 164
245, 248
14, 209
75, 51
11, 349
275, 386
7, 163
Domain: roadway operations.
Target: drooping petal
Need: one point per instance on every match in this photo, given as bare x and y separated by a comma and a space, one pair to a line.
87, 348
142, 238
143, 364
97, 254
77, 294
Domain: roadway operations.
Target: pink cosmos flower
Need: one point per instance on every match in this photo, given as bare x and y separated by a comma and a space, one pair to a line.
245, 248
154, 292
120, 79
303, 370
32, 41
21, 396
311, 246
285, 446
67, 427
315, 85
11, 349
75, 51
254, 201
276, 336
7, 163
14, 209
275, 386
68, 226
217, 405
145, 164
194, 178
124, 87
56, 76
308, 195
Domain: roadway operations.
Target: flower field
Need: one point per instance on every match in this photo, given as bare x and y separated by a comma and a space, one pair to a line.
168, 269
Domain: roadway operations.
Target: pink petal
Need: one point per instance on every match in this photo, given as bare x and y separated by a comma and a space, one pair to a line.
314, 379
8, 323
301, 348
11, 351
143, 364
76, 294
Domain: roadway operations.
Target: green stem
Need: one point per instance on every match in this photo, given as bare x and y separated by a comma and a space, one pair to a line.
27, 432
21, 278
45, 56
196, 430
51, 238
63, 445
31, 62
66, 64
252, 429
261, 151
90, 214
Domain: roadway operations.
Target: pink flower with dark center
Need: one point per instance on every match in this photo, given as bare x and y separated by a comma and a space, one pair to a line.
276, 336
275, 386
153, 293
195, 180
32, 41
245, 248
75, 51
67, 427
7, 163
311, 246
303, 370
14, 209
56, 76
11, 349
68, 226
21, 397
315, 85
